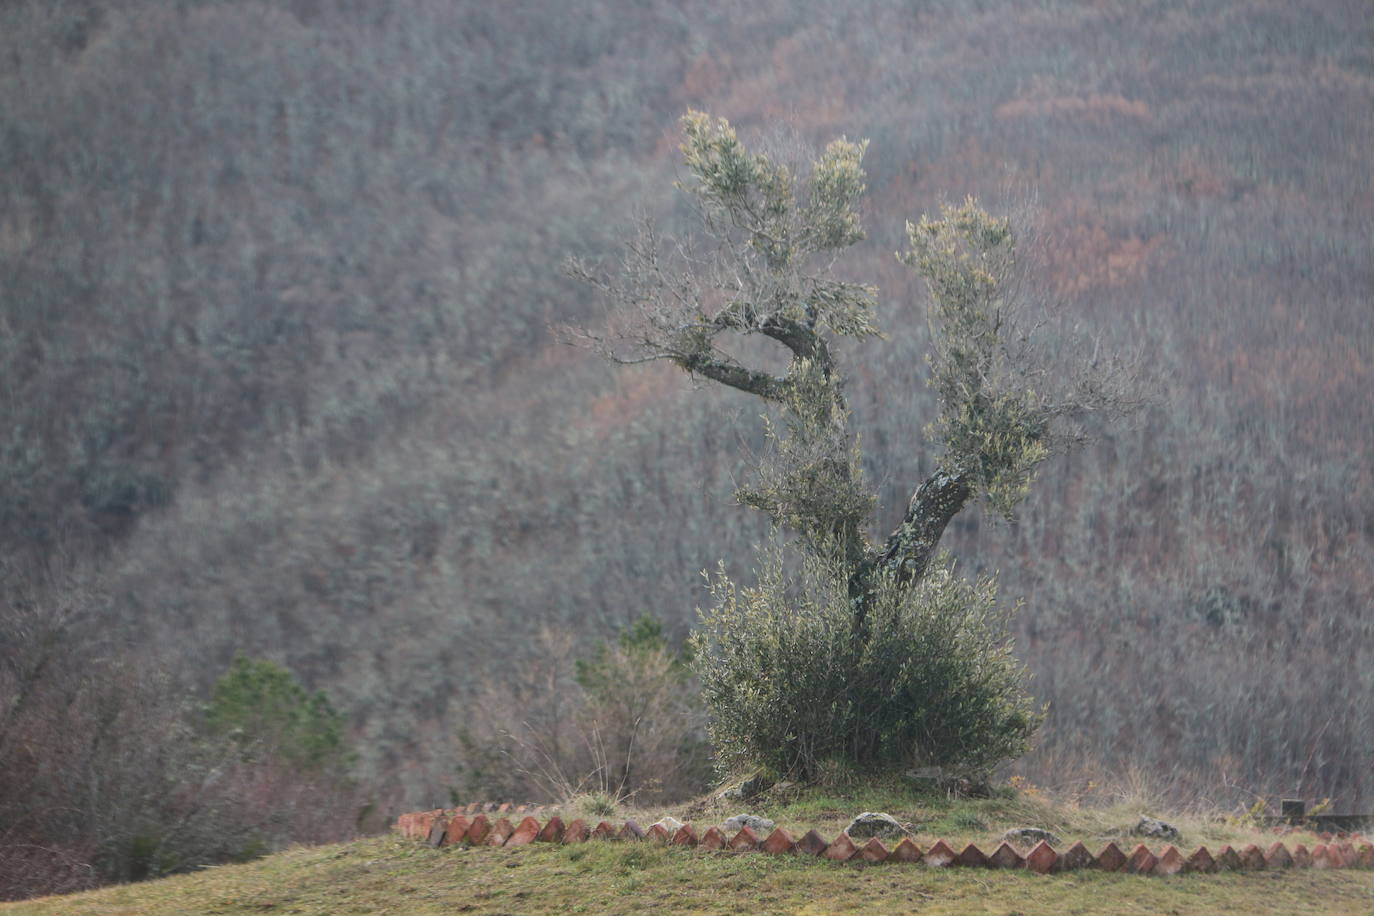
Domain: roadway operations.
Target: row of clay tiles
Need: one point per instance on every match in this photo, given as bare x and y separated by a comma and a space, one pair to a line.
447, 828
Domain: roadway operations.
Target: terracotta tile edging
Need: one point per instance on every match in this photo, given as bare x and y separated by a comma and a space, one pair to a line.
744, 841
712, 839
552, 831
525, 832
1201, 861
812, 844
1042, 860
470, 825
1076, 857
874, 852
841, 850
1006, 857
1170, 862
478, 828
501, 831
941, 855
778, 843
906, 852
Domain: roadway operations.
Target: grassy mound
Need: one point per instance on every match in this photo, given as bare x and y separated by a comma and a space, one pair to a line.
389, 874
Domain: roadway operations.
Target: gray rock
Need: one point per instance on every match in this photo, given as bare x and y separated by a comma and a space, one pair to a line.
874, 823
1156, 829
669, 823
1029, 836
748, 788
759, 825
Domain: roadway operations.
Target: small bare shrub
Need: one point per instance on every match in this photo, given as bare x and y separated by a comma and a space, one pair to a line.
623, 722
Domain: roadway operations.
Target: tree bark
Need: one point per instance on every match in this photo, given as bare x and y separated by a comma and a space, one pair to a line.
911, 546
803, 341
760, 383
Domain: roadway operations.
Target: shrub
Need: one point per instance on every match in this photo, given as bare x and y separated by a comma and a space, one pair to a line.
643, 713
261, 707
108, 772
624, 721
792, 685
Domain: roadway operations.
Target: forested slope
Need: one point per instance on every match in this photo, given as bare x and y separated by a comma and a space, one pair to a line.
277, 282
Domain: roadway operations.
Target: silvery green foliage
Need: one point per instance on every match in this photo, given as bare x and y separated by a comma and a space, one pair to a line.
763, 265
794, 686
865, 658
1004, 407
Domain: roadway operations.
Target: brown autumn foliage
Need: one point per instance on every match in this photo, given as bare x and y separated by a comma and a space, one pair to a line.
275, 284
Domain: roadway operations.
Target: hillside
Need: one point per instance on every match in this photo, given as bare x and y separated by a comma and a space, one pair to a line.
277, 287
391, 874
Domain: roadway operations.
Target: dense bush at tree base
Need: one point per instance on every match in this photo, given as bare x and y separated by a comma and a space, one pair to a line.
793, 686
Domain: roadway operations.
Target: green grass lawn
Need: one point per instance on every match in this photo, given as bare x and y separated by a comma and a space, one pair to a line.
390, 875
393, 875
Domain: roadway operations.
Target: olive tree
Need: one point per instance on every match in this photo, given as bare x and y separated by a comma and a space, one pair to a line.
763, 265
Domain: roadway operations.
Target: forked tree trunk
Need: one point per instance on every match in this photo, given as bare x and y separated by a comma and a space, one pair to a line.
910, 548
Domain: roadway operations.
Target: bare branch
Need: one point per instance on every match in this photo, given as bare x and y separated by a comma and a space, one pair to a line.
762, 384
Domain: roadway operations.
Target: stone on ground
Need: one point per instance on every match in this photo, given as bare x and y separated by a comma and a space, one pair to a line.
875, 823
760, 825
1156, 829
